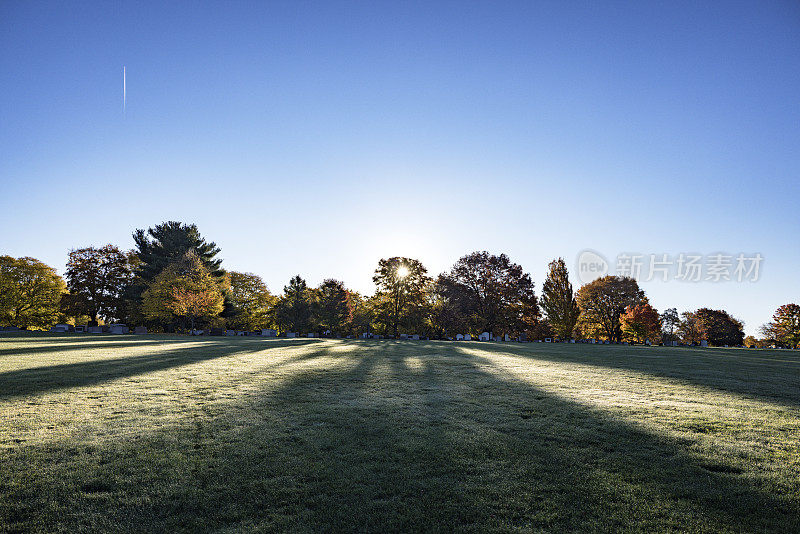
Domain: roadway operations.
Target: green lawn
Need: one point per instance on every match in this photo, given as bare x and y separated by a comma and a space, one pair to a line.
153, 433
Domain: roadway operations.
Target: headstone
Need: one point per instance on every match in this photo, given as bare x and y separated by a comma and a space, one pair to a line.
572, 341
647, 342
467, 337
506, 338
485, 336
268, 332
230, 332
548, 340
95, 329
704, 343
80, 329
291, 334
140, 330
60, 328
592, 341
459, 337
674, 343
118, 329
197, 332
312, 334
415, 337
497, 338
522, 338
403, 336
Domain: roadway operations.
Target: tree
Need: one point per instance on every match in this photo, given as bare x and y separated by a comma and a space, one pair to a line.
166, 243
251, 302
333, 310
293, 310
603, 301
669, 322
96, 280
720, 328
641, 323
170, 241
184, 290
363, 314
491, 293
558, 300
401, 287
691, 329
785, 325
30, 293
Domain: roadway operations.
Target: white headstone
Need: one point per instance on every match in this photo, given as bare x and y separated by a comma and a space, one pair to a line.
467, 337
459, 337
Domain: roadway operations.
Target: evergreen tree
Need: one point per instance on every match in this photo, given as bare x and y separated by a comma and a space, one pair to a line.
558, 300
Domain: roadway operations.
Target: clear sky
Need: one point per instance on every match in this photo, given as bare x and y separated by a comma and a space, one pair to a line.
316, 138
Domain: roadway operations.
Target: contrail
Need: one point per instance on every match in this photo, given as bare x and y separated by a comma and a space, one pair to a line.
124, 91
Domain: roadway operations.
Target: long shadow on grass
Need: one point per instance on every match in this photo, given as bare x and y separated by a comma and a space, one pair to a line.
36, 347
61, 376
403, 438
733, 370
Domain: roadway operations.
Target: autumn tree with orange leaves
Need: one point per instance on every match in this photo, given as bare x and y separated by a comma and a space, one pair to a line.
184, 290
640, 323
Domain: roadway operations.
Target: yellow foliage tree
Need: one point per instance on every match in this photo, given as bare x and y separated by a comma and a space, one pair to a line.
184, 289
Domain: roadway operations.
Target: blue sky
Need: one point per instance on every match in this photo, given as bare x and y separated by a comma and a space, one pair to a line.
319, 137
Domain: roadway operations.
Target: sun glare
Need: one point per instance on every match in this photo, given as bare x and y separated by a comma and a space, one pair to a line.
402, 271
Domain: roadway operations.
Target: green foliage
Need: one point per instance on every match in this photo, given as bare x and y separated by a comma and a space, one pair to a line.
401, 298
333, 309
183, 290
603, 301
293, 310
491, 293
97, 279
251, 302
30, 293
170, 241
558, 300
160, 246
670, 320
720, 328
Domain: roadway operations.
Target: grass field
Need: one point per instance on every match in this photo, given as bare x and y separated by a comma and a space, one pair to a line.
152, 433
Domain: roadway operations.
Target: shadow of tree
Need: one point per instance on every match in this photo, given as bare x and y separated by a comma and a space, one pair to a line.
40, 348
775, 380
393, 439
48, 378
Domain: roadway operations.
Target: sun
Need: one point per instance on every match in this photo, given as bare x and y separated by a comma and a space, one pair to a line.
402, 271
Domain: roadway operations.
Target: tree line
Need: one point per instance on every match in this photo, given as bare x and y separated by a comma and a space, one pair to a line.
173, 281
